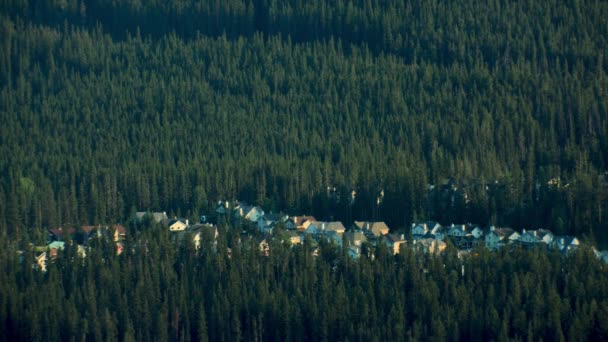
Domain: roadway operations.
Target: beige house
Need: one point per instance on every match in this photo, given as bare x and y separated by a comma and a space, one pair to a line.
394, 242
377, 228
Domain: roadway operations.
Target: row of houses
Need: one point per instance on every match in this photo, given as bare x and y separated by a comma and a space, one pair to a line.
467, 236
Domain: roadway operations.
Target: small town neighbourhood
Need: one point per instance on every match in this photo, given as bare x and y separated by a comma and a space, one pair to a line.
430, 238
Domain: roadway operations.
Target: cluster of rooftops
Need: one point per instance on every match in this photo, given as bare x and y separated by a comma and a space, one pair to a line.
427, 237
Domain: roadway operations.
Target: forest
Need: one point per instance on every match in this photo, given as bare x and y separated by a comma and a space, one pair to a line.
109, 107
154, 291
492, 112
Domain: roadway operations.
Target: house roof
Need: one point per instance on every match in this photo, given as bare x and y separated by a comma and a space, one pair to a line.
378, 228
299, 220
59, 231
335, 226
394, 238
88, 229
504, 232
56, 245
119, 228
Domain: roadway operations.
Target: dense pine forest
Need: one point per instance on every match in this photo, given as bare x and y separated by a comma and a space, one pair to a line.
493, 112
112, 106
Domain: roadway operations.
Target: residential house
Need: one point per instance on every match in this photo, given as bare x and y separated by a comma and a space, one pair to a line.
300, 222
223, 208
201, 231
499, 237
457, 231
475, 231
333, 237
376, 228
440, 232
59, 234
335, 226
252, 214
354, 251
41, 262
294, 238
313, 230
565, 244
394, 242
119, 232
355, 237
176, 225
430, 246
264, 248
419, 230
534, 237
267, 222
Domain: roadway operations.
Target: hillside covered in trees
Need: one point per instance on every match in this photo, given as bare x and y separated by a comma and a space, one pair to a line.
154, 291
111, 106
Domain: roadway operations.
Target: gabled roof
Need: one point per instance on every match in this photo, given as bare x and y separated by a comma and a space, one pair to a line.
335, 226
504, 232
377, 228
394, 238
56, 245
59, 231
88, 229
119, 228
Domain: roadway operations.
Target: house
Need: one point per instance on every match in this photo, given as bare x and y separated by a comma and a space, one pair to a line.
430, 246
333, 237
267, 222
499, 237
59, 234
439, 232
457, 231
354, 251
533, 237
474, 230
176, 225
41, 262
300, 222
200, 231
294, 238
355, 237
157, 217
419, 230
252, 214
119, 232
223, 208
264, 248
377, 228
87, 232
394, 242
313, 230
565, 244
335, 226
119, 248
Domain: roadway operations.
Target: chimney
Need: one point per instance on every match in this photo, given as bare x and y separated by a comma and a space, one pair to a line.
492, 228
523, 231
187, 222
402, 236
